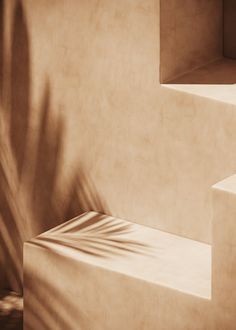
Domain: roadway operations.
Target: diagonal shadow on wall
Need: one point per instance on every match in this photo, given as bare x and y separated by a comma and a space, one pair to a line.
31, 163
30, 201
31, 160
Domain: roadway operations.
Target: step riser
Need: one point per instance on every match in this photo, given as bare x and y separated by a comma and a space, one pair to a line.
224, 254
65, 288
81, 296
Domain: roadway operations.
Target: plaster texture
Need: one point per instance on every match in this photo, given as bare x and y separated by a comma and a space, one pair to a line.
214, 81
145, 147
105, 300
229, 28
87, 95
99, 272
191, 35
224, 253
137, 251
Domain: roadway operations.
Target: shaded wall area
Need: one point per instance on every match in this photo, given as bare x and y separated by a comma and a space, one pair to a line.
32, 198
191, 35
229, 19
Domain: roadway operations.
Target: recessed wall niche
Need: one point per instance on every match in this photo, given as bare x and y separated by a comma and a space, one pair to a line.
198, 41
229, 28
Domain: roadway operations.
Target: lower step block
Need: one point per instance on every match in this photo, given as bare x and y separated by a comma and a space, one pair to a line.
98, 272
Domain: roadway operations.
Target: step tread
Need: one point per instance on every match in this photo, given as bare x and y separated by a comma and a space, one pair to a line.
135, 250
215, 81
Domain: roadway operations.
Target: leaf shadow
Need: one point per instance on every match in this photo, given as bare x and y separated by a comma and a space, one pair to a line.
31, 156
33, 198
97, 234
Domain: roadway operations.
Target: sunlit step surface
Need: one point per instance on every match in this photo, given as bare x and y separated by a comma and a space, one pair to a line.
97, 272
134, 250
215, 81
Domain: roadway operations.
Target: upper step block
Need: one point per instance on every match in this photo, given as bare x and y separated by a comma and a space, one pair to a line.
193, 35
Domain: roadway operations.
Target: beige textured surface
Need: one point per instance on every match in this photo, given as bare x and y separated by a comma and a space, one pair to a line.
215, 81
229, 28
149, 254
143, 147
106, 260
105, 300
191, 35
224, 253
98, 272
114, 139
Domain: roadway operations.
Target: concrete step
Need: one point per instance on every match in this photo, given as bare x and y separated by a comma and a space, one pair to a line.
98, 272
97, 256
215, 80
138, 251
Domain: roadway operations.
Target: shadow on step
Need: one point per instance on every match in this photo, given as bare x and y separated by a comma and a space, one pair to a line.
221, 71
98, 235
36, 191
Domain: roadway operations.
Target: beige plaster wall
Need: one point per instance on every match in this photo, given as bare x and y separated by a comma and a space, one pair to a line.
191, 35
91, 127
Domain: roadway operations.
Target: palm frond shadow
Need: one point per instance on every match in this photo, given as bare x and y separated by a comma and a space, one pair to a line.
100, 236
32, 197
